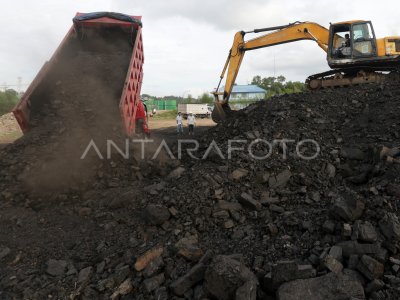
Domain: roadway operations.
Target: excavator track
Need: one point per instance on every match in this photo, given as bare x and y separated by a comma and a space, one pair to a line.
351, 76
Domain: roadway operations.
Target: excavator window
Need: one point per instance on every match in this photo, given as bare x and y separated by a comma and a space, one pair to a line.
363, 40
341, 44
396, 44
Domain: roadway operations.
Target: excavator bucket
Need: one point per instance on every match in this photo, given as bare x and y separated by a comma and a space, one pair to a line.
98, 67
220, 112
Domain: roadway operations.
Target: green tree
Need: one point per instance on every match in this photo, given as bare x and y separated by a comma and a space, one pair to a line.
278, 85
257, 80
8, 99
281, 79
206, 98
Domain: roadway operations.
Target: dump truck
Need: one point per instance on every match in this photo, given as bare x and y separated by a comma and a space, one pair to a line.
106, 35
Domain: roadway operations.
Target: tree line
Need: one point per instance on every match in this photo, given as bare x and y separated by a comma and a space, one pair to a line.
8, 99
278, 85
203, 98
273, 86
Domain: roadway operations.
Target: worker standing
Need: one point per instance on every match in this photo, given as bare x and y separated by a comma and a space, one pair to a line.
191, 123
179, 124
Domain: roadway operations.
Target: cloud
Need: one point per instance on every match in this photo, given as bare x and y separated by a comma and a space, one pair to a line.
238, 15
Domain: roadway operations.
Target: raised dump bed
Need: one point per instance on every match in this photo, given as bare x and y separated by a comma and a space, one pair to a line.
97, 68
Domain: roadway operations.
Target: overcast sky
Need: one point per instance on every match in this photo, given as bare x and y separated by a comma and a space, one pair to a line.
186, 42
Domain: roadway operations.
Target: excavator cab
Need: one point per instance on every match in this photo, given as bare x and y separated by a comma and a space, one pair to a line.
350, 43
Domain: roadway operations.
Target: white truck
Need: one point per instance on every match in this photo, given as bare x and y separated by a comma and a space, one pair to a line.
199, 110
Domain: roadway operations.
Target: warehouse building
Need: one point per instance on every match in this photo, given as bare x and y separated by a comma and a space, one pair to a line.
246, 92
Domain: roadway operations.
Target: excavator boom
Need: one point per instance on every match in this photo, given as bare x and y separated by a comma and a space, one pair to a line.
281, 34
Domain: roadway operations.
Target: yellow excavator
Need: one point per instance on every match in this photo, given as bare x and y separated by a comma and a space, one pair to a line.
354, 55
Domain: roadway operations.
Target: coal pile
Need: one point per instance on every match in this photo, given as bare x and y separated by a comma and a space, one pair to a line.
283, 227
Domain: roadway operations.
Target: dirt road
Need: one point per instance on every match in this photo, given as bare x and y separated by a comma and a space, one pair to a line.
167, 128
9, 129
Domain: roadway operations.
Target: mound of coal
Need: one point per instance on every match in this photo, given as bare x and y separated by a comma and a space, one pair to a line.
285, 205
309, 204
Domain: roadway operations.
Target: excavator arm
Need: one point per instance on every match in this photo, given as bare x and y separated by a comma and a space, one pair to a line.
280, 35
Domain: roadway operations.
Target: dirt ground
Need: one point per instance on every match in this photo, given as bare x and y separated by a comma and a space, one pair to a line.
162, 124
167, 128
9, 129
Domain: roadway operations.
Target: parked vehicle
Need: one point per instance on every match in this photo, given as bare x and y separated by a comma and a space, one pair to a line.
199, 110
